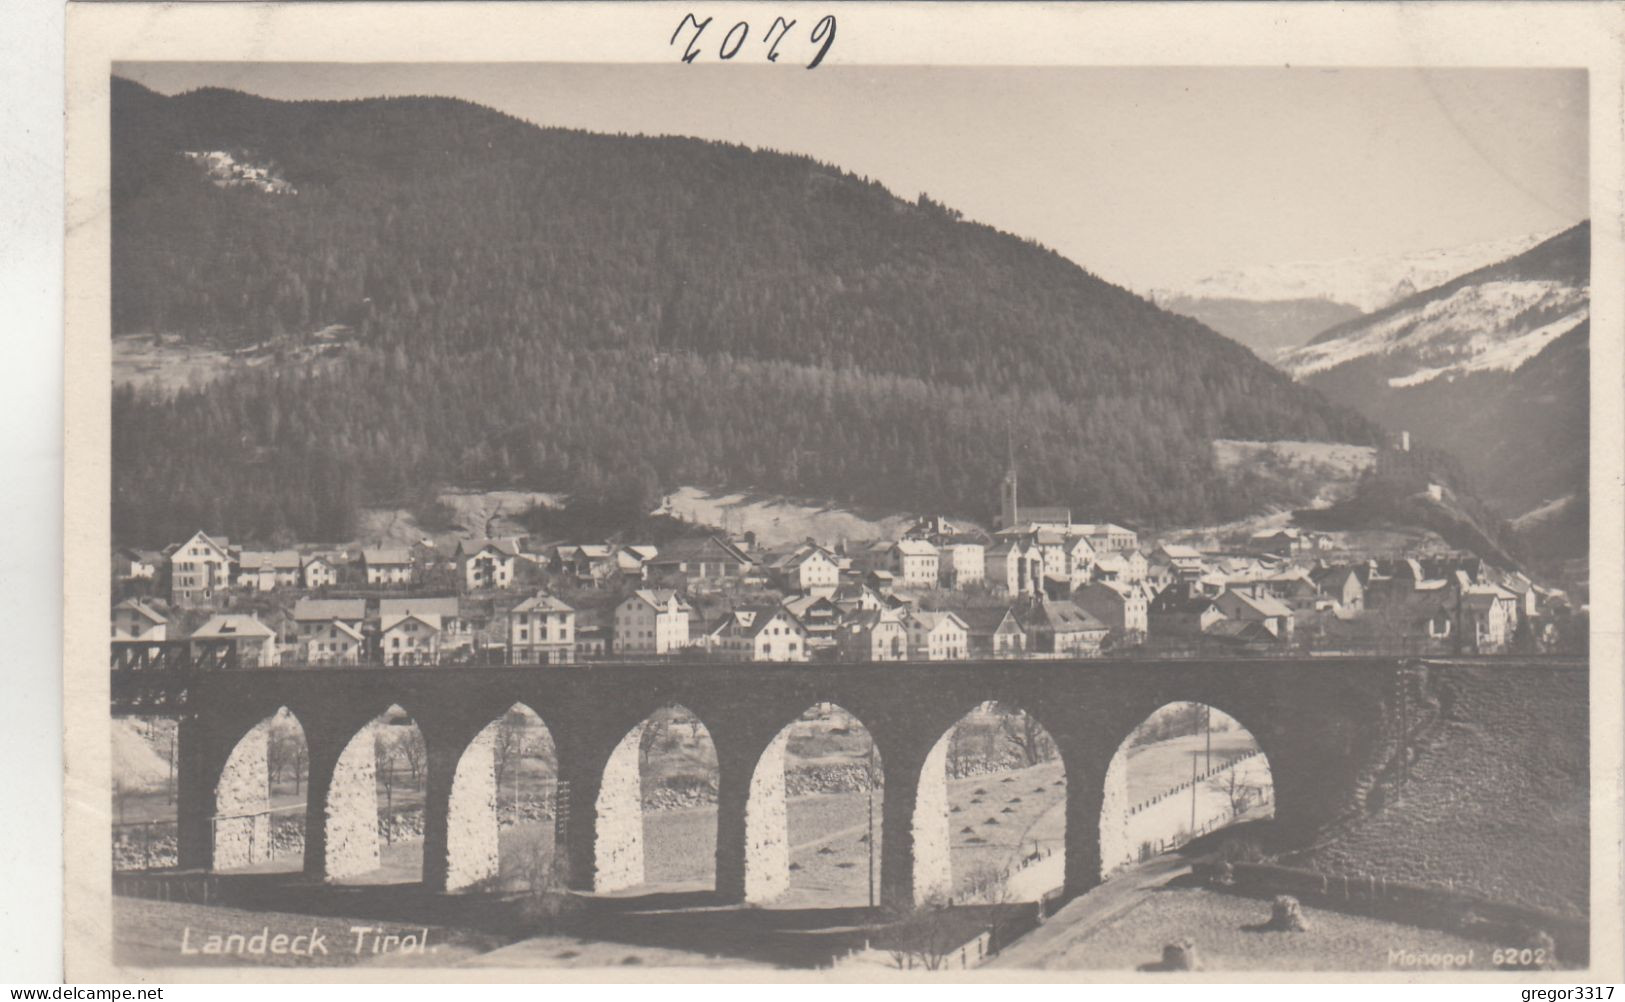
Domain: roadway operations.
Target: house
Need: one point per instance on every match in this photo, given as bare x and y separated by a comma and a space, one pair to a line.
253, 641
705, 563
313, 615
880, 581
485, 564
759, 633
1015, 566
199, 568
1185, 560
875, 555
387, 566
259, 570
877, 635
459, 621
1246, 634
854, 597
409, 638
1490, 617
1054, 549
334, 642
1277, 542
137, 565
595, 565
1343, 586
1176, 612
933, 529
914, 562
632, 561
936, 636
136, 620
1122, 567
651, 621
1161, 576
1122, 607
321, 570
1296, 589
1263, 608
541, 631
1429, 617
993, 633
961, 562
819, 616
1080, 559
592, 633
1108, 537
808, 569
1062, 628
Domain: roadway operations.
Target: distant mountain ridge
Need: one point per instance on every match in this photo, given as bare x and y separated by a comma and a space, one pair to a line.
1366, 283
1265, 326
1275, 307
557, 310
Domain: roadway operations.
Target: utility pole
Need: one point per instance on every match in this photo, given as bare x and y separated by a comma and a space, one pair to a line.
519, 759
871, 785
1193, 794
1207, 722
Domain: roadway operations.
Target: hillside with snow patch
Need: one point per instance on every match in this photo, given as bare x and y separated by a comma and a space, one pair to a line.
1492, 366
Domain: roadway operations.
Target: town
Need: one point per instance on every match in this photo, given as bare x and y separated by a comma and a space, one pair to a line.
1040, 585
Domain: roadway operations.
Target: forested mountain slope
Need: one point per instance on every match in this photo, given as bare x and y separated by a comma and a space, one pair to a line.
604, 314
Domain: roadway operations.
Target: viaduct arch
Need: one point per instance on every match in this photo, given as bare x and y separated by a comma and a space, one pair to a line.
1327, 726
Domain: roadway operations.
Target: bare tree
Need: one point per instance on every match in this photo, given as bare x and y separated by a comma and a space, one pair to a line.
1027, 737
408, 745
956, 753
509, 745
923, 937
286, 756
1240, 794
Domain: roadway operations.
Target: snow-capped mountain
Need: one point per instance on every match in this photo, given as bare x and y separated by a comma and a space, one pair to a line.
1492, 365
1365, 283
1492, 318
1488, 326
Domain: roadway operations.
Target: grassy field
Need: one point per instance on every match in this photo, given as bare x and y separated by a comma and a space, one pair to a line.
1229, 936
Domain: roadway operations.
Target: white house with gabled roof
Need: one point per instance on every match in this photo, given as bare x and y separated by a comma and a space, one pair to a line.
199, 568
651, 621
937, 636
542, 631
136, 620
409, 638
387, 566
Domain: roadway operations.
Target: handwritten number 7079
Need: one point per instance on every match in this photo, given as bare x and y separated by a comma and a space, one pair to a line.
735, 39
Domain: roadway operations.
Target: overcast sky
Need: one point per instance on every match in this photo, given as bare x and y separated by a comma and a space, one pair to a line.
1149, 177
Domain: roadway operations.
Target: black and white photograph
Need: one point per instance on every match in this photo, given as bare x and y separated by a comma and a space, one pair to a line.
755, 512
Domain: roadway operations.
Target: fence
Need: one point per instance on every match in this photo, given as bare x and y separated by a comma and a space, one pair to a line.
152, 845
1176, 796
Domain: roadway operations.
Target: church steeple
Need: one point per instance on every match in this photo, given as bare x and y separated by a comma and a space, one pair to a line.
1008, 506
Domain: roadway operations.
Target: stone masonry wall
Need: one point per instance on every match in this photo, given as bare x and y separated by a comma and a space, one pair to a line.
1116, 851
242, 803
352, 810
471, 818
933, 872
618, 839
767, 827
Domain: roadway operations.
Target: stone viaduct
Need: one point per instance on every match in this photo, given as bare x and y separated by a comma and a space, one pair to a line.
1326, 725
